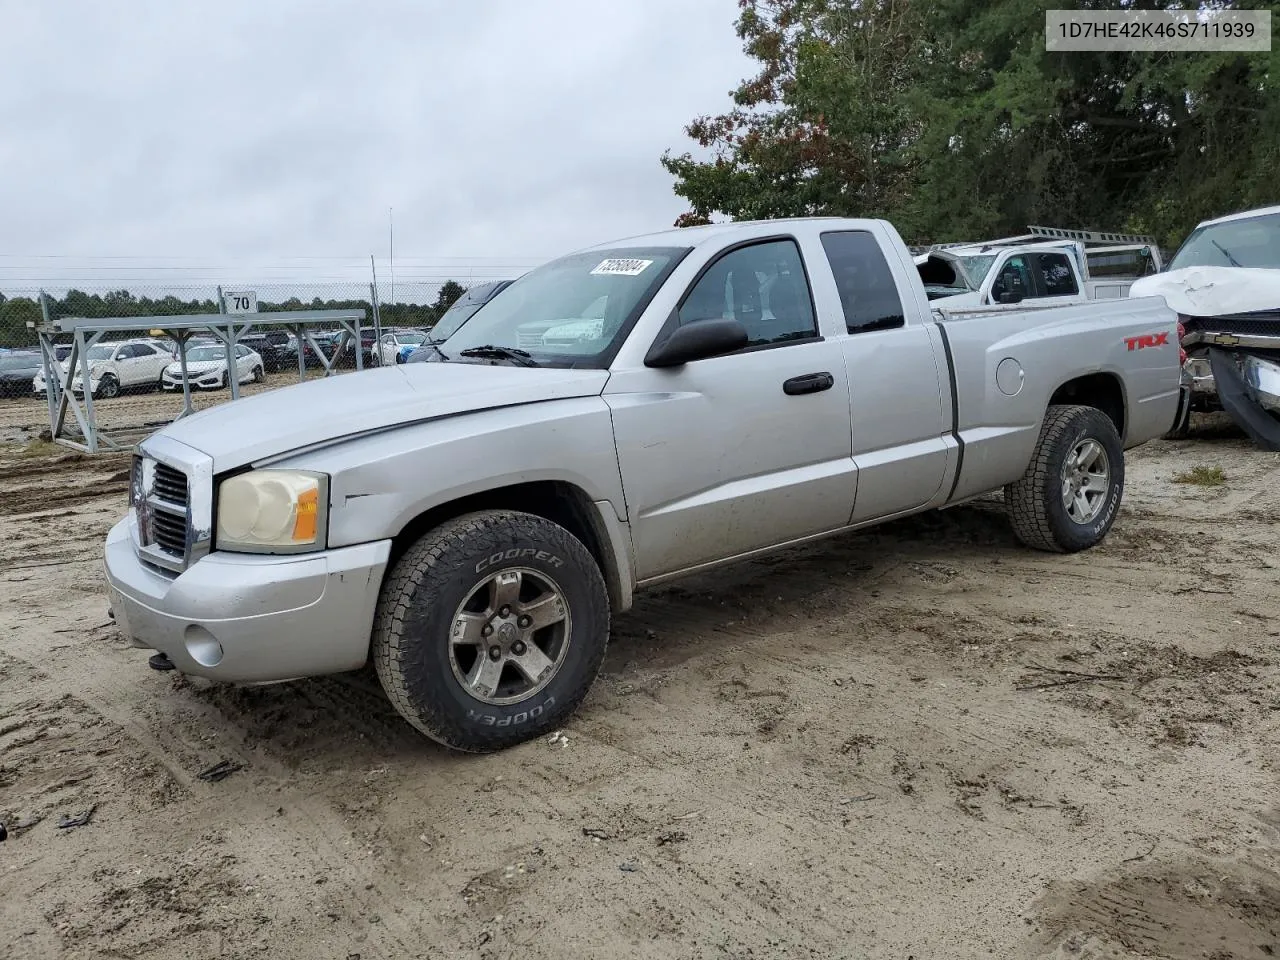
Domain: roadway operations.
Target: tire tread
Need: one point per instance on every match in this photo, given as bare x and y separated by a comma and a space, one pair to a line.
414, 571
1024, 498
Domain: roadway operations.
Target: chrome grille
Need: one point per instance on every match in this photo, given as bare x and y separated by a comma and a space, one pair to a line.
160, 503
170, 485
172, 503
169, 531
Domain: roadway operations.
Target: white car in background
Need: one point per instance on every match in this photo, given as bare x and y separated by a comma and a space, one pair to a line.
114, 366
207, 367
396, 345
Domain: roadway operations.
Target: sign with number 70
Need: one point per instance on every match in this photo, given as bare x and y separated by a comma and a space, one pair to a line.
240, 301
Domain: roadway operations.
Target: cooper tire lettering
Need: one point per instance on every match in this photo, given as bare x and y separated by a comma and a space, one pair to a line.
414, 629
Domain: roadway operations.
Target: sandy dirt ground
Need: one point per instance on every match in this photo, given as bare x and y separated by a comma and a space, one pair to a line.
920, 742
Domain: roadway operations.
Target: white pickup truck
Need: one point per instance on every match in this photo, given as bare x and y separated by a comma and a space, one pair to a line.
685, 399
1038, 269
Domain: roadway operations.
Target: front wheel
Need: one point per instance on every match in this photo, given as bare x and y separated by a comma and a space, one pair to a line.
491, 629
108, 387
1071, 492
257, 375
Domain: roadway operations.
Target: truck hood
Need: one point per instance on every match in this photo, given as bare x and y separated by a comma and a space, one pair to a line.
1213, 291
306, 414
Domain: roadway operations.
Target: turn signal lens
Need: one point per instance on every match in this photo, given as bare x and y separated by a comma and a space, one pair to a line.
307, 512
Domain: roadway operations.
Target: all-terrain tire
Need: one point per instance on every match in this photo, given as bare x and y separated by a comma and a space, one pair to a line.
1035, 502
414, 622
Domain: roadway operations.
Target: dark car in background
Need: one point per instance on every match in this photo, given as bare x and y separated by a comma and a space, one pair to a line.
459, 313
274, 346
17, 369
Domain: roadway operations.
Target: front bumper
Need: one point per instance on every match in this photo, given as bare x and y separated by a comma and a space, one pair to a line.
207, 381
247, 618
1262, 377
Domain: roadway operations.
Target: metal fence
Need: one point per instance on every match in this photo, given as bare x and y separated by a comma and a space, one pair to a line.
402, 304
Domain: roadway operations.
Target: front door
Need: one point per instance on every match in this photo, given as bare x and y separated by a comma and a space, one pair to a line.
731, 454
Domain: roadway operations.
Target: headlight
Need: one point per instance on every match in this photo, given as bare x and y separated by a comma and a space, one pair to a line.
273, 511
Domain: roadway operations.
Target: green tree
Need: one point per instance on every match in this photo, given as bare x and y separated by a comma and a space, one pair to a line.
450, 291
950, 118
15, 313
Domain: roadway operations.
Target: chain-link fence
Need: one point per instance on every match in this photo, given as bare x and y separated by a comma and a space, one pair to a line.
415, 304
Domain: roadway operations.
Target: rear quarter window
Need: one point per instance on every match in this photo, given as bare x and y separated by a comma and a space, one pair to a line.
868, 293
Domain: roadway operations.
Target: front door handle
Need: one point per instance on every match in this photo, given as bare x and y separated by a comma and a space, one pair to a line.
808, 383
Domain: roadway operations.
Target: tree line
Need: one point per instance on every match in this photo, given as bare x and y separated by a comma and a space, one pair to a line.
16, 312
950, 118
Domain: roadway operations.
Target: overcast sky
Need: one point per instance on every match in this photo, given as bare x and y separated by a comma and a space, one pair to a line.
247, 132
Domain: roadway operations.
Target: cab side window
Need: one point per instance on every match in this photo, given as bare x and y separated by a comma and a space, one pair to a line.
763, 287
1013, 282
1054, 273
864, 281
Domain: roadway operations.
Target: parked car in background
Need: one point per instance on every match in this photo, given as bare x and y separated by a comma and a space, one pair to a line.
1224, 281
396, 345
458, 313
18, 369
115, 366
207, 368
274, 347
343, 354
694, 397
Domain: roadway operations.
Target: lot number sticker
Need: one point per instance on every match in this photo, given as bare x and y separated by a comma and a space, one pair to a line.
622, 268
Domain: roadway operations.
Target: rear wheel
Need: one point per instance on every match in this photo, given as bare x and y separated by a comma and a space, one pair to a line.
258, 374
1071, 492
490, 630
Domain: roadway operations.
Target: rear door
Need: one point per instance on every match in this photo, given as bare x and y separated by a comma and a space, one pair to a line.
897, 373
736, 453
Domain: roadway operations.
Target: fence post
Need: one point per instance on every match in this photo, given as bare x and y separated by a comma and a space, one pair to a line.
377, 313
48, 352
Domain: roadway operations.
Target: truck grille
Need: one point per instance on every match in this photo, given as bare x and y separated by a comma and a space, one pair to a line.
171, 485
169, 531
161, 507
1261, 324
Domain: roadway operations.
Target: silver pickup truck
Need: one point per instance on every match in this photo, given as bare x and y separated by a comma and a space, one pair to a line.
618, 417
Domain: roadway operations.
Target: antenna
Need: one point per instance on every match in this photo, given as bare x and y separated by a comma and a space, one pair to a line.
391, 227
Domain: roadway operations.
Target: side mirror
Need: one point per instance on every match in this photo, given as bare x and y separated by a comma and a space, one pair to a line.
697, 341
1009, 296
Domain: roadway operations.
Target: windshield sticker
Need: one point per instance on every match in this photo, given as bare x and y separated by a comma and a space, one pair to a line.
621, 268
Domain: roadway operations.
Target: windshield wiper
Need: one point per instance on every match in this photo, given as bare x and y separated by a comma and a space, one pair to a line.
520, 357
1226, 253
434, 345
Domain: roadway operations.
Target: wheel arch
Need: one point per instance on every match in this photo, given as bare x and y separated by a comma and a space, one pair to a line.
560, 502
1103, 391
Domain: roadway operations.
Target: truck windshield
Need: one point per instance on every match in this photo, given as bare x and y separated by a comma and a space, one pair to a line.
572, 311
976, 266
463, 308
1254, 242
